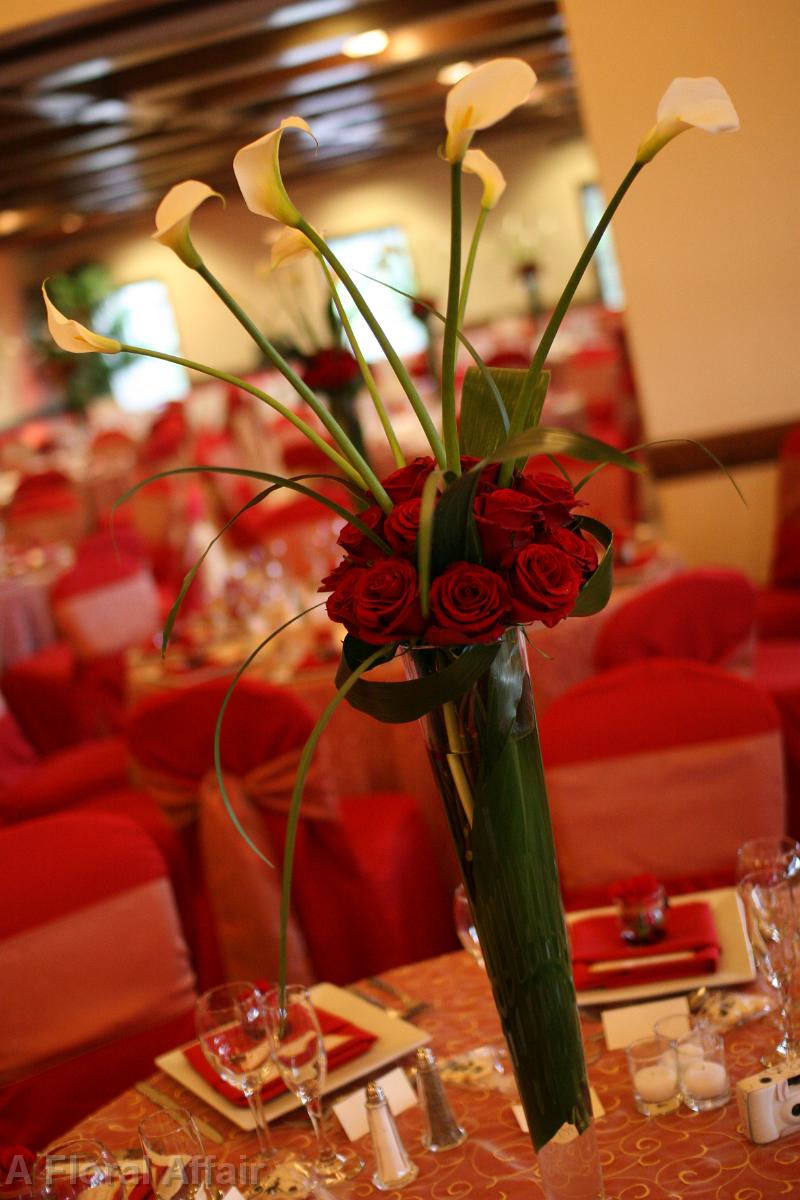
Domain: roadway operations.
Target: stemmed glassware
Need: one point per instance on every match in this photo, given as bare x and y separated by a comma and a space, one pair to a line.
775, 853
176, 1158
233, 1026
771, 898
298, 1051
81, 1167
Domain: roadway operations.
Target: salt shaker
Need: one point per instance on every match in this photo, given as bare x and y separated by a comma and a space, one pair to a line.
442, 1130
393, 1167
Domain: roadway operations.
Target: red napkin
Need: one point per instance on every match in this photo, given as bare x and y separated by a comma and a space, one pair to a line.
691, 932
357, 1043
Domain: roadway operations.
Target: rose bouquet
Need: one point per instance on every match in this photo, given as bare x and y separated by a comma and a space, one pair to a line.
445, 562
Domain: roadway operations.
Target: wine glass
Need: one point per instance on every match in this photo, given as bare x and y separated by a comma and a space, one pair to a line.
176, 1158
79, 1167
299, 1054
234, 1030
778, 853
772, 908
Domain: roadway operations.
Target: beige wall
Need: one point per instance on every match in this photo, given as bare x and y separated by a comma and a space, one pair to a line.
14, 13
708, 238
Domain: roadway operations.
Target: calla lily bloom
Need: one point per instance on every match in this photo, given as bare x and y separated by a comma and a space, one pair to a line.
483, 98
258, 173
174, 215
689, 104
490, 175
72, 336
289, 245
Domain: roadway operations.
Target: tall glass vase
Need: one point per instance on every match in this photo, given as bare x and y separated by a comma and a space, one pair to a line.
484, 750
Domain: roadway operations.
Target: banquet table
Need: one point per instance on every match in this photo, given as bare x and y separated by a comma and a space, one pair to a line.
703, 1156
26, 621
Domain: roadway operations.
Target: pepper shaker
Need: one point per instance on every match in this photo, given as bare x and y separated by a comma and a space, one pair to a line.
393, 1167
442, 1130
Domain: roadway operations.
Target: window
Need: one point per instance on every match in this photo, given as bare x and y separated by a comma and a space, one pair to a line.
605, 259
141, 314
383, 255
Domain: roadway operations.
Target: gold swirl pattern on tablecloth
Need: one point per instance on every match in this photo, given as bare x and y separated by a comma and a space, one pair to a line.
683, 1156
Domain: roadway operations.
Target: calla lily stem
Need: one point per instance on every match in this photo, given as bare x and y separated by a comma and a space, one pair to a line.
298, 422
366, 373
564, 301
473, 250
403, 377
449, 343
279, 362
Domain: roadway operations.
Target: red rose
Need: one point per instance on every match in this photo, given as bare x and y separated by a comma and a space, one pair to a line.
356, 543
339, 605
331, 370
552, 493
577, 547
385, 603
488, 475
544, 583
402, 526
506, 522
407, 482
469, 603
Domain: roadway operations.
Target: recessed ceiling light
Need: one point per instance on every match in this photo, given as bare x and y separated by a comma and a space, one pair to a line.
453, 72
362, 45
10, 221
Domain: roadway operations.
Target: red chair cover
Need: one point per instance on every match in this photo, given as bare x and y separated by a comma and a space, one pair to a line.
94, 957
706, 614
361, 887
663, 766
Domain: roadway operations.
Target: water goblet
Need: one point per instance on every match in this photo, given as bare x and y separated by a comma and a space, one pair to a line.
298, 1051
77, 1168
772, 907
775, 853
233, 1026
176, 1159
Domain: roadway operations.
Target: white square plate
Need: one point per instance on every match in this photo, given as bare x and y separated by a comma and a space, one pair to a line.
735, 961
395, 1038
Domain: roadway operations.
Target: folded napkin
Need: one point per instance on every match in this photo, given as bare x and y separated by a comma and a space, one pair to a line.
343, 1042
600, 958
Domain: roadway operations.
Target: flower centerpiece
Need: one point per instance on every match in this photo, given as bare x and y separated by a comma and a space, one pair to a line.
445, 562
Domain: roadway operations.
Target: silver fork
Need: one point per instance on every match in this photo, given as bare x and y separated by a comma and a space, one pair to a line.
404, 1014
389, 989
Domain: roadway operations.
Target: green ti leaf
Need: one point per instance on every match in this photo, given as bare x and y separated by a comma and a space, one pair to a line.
455, 538
407, 700
562, 441
595, 593
484, 424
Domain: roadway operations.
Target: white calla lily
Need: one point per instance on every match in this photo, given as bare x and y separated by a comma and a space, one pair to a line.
72, 336
174, 214
689, 104
490, 175
258, 173
289, 245
482, 98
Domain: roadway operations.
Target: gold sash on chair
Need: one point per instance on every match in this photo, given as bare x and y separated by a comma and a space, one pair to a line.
243, 891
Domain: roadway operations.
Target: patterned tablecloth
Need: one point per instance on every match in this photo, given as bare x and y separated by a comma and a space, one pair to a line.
684, 1155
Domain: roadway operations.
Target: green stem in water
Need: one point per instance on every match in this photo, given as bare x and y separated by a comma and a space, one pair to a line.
473, 250
366, 373
449, 344
292, 417
564, 301
403, 377
279, 362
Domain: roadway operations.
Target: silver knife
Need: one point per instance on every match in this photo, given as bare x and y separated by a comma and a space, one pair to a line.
164, 1101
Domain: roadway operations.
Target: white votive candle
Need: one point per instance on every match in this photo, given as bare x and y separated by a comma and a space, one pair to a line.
657, 1083
689, 1052
705, 1080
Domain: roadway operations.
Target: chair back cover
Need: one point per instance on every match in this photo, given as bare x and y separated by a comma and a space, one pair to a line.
664, 766
106, 602
170, 737
96, 952
706, 614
